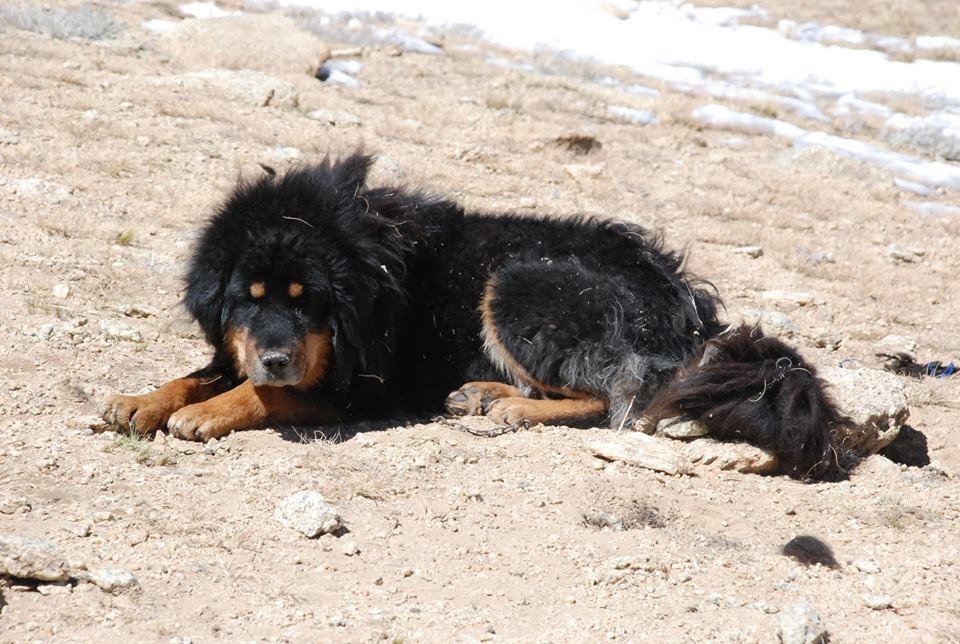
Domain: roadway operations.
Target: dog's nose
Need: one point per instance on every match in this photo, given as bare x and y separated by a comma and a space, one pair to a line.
274, 360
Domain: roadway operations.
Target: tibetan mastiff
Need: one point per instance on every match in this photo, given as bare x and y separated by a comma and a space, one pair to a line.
326, 300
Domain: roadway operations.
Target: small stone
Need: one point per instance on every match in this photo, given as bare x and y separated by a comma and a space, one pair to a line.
750, 251
877, 602
801, 624
309, 513
119, 330
584, 170
682, 429
211, 447
31, 558
112, 580
893, 344
14, 504
867, 566
906, 255
60, 291
768, 318
351, 549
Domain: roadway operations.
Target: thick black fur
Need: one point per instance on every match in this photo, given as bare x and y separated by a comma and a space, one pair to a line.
397, 278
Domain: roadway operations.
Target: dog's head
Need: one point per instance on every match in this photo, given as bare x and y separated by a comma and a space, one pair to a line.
297, 276
277, 316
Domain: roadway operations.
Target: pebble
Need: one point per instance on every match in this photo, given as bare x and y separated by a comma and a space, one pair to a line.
679, 428
768, 318
750, 251
119, 330
112, 580
867, 566
906, 255
309, 513
351, 548
14, 504
584, 170
60, 291
877, 602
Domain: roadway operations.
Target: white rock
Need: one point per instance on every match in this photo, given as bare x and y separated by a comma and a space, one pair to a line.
877, 602
801, 624
584, 170
60, 291
681, 429
749, 251
119, 330
309, 513
112, 580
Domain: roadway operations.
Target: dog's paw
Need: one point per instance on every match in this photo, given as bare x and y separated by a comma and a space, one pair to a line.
199, 422
474, 398
513, 410
140, 414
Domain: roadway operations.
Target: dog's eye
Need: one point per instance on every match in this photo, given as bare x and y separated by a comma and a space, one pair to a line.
258, 290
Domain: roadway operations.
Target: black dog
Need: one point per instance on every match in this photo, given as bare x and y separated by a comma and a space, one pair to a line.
325, 300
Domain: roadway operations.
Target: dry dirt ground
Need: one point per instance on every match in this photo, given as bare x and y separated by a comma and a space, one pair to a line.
113, 151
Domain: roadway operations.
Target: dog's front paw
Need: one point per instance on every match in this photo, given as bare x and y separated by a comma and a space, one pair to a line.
474, 398
199, 422
140, 414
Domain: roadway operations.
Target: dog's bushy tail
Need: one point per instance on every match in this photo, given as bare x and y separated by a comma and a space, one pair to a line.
744, 385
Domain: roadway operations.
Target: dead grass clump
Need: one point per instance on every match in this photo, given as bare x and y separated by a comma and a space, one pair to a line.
86, 22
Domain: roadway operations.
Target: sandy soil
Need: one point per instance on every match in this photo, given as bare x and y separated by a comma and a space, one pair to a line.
111, 154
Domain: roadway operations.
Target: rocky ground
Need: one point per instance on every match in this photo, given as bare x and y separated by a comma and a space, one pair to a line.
113, 150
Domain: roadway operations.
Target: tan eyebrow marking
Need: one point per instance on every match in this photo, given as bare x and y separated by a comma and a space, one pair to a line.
258, 290
295, 289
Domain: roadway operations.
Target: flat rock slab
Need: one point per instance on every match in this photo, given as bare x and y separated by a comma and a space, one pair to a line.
739, 457
636, 448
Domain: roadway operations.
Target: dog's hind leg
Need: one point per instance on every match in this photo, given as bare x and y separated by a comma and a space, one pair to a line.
544, 331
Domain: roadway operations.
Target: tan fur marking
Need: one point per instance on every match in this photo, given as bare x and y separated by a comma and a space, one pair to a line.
295, 290
258, 290
149, 412
246, 406
316, 349
501, 356
241, 346
512, 410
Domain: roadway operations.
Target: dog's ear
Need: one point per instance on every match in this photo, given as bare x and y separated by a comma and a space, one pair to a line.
206, 285
350, 173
